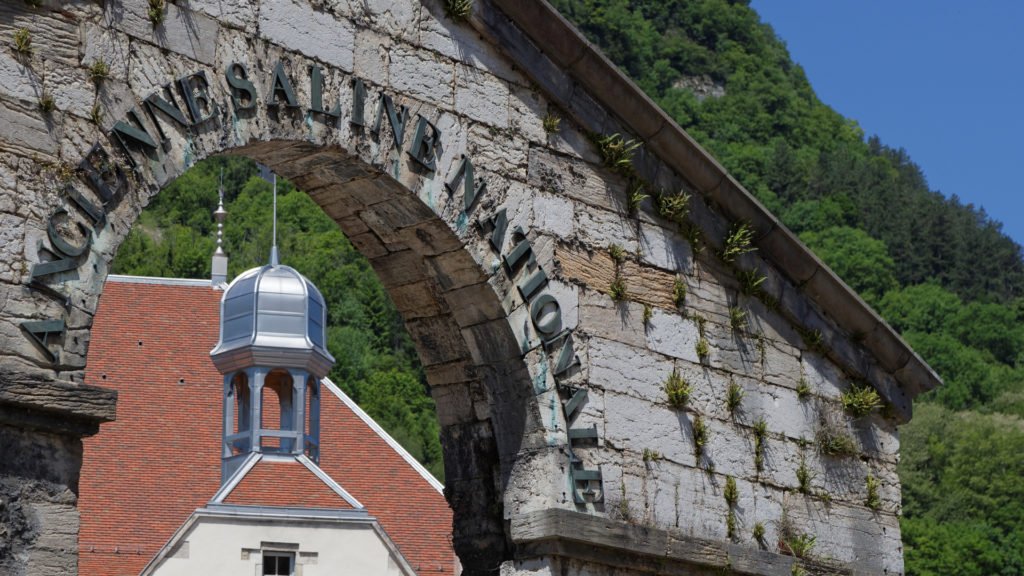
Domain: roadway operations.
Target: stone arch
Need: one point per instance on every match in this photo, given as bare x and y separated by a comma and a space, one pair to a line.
318, 90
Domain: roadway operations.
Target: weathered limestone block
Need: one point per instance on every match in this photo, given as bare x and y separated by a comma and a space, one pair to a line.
482, 97
423, 76
627, 369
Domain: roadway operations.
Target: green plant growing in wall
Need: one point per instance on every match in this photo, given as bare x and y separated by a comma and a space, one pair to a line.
731, 529
759, 533
833, 435
637, 194
23, 41
674, 207
812, 339
552, 122
860, 400
678, 292
737, 318
700, 435
873, 500
750, 282
760, 435
47, 103
648, 314
157, 12
458, 9
771, 303
730, 493
678, 390
617, 289
801, 544
617, 253
798, 570
625, 512
733, 397
803, 389
99, 71
617, 152
651, 455
703, 348
695, 238
702, 324
96, 114
737, 242
804, 476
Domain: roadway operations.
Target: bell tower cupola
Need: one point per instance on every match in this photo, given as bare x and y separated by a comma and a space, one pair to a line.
272, 353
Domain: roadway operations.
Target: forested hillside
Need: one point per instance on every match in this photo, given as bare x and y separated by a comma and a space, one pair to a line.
941, 272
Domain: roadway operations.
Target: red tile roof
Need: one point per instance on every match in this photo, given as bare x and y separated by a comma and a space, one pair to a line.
284, 483
145, 473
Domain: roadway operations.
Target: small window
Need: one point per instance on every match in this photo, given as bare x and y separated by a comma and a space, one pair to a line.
278, 563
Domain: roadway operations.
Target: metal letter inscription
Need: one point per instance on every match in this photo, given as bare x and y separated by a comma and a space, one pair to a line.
424, 142
281, 86
358, 103
470, 190
398, 119
316, 94
39, 331
581, 481
169, 108
195, 88
107, 179
243, 92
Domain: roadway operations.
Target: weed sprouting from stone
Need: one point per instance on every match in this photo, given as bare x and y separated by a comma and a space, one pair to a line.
738, 242
833, 435
860, 400
23, 41
46, 103
617, 152
678, 390
157, 12
678, 292
803, 389
804, 476
733, 397
873, 501
458, 9
700, 435
99, 71
674, 207
637, 194
737, 318
552, 122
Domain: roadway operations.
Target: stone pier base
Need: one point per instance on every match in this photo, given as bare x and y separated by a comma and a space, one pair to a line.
42, 422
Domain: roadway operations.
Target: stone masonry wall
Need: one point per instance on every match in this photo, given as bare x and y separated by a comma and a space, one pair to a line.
631, 259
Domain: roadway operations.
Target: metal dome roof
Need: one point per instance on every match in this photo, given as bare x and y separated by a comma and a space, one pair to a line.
272, 316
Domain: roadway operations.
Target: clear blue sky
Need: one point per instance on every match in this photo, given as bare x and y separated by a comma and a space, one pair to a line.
943, 79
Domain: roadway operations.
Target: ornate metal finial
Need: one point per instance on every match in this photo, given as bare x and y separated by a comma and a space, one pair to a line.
219, 265
220, 215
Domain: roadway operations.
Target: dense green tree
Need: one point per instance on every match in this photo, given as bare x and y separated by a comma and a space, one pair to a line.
962, 493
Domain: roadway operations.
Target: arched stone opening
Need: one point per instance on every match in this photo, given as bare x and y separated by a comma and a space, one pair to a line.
453, 312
